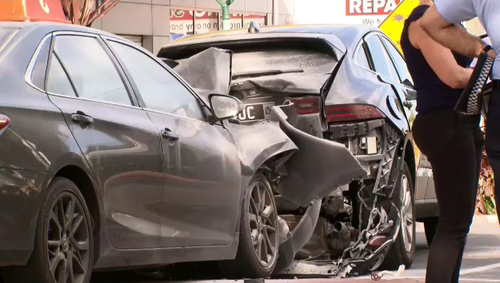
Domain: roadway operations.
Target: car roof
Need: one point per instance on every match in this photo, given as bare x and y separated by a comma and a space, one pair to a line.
348, 34
48, 27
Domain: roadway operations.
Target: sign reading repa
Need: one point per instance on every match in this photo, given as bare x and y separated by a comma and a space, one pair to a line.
370, 7
32, 10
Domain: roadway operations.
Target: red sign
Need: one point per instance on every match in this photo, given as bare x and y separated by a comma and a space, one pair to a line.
370, 7
32, 10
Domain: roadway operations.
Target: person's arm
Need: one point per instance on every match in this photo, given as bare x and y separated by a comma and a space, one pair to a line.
439, 58
451, 35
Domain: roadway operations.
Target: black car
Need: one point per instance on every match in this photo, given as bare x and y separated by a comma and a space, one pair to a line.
345, 83
109, 160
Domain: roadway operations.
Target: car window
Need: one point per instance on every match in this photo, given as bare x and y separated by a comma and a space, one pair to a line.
381, 60
400, 63
57, 79
159, 89
38, 73
90, 69
361, 58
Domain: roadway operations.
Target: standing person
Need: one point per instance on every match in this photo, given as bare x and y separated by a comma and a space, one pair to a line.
452, 143
439, 22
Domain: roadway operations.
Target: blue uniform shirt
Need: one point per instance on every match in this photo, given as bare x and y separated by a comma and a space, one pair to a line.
488, 13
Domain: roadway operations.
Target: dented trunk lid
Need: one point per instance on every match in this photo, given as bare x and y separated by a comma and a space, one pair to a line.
261, 72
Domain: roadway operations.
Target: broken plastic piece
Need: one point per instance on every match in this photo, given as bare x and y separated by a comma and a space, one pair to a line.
377, 276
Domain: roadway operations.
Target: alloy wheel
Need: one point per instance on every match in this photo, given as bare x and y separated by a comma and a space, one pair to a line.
263, 223
68, 240
406, 214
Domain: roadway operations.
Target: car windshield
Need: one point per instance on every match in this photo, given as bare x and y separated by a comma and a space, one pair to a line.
5, 35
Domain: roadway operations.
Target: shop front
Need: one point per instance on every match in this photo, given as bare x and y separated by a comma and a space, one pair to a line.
186, 22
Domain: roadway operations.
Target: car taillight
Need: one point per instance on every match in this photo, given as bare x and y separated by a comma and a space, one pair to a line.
305, 105
4, 122
351, 113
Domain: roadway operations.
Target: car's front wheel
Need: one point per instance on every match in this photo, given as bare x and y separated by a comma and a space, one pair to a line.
402, 251
64, 250
259, 236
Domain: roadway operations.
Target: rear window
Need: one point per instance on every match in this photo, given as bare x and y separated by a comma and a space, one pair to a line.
276, 61
5, 36
268, 57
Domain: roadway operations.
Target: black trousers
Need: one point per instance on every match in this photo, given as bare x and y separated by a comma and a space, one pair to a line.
453, 145
493, 141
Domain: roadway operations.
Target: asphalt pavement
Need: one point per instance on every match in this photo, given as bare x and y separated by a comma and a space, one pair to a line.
481, 261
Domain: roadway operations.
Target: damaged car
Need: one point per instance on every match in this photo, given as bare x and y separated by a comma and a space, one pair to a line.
109, 160
343, 83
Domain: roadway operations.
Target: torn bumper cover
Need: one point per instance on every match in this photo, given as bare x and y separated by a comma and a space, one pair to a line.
317, 168
311, 168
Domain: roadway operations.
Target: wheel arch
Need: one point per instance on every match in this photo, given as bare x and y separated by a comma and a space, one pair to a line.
88, 188
73, 166
276, 158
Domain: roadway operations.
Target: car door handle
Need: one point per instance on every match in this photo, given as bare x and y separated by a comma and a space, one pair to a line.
81, 118
168, 134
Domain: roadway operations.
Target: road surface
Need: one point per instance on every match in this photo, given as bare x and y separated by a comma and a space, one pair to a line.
481, 260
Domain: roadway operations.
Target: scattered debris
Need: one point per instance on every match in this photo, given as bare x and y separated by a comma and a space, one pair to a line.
376, 276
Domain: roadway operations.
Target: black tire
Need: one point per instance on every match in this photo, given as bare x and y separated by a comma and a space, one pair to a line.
400, 253
430, 225
247, 264
65, 192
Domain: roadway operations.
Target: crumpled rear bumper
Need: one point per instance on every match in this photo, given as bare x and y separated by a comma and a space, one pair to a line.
317, 168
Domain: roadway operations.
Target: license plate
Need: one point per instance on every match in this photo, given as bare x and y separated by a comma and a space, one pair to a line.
254, 112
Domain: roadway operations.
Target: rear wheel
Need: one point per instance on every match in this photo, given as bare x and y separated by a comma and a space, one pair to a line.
402, 251
64, 250
259, 236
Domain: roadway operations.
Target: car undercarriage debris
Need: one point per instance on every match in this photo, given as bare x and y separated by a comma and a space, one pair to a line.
358, 224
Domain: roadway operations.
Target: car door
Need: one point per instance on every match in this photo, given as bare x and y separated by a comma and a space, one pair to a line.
406, 84
202, 178
403, 93
117, 138
382, 65
424, 183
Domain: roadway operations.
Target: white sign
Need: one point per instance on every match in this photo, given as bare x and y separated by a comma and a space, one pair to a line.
370, 7
181, 21
370, 12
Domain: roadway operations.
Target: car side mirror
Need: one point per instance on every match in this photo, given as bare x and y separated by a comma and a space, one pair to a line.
225, 106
